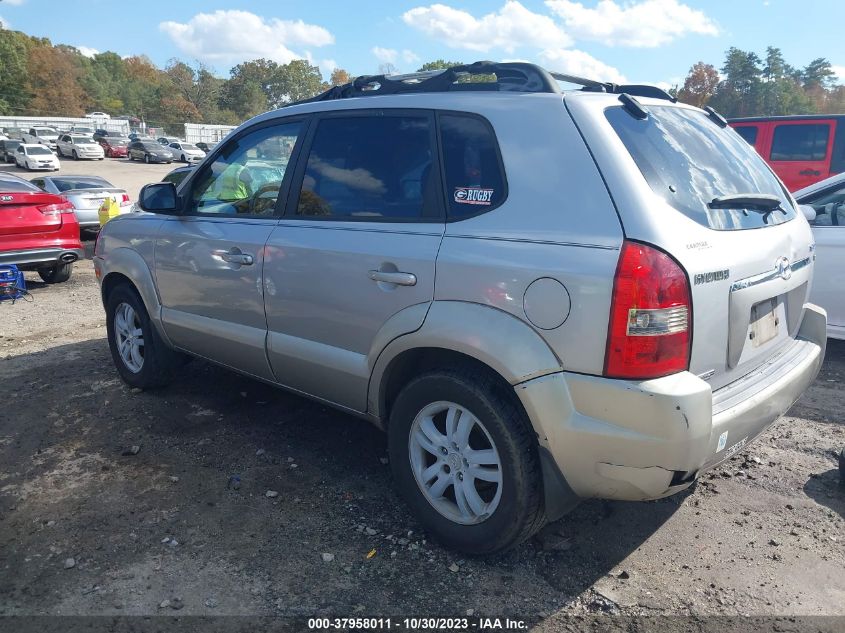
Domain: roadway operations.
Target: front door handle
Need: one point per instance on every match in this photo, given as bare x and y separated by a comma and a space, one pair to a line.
810, 172
398, 278
235, 256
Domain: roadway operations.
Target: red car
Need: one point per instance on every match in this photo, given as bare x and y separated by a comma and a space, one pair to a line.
114, 146
801, 149
38, 230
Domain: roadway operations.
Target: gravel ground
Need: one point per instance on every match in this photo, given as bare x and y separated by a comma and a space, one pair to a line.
220, 495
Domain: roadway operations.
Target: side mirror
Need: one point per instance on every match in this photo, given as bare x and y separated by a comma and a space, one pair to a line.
808, 211
159, 197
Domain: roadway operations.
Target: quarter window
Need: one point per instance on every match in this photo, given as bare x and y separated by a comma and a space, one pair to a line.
748, 132
247, 175
474, 178
800, 142
371, 168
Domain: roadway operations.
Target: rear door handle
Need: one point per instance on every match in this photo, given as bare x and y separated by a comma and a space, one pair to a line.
235, 256
398, 278
810, 172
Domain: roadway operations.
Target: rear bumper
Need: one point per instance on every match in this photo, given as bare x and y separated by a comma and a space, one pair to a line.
40, 257
618, 439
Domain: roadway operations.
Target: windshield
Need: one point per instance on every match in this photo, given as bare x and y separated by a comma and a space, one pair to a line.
46, 131
689, 160
38, 150
82, 140
152, 147
189, 146
66, 184
117, 141
83, 130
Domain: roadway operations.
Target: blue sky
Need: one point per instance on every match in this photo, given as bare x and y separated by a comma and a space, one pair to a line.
653, 41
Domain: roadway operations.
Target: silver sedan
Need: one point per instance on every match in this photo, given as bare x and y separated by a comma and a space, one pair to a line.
86, 194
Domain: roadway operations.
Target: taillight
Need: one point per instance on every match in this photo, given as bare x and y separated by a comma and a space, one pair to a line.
124, 200
649, 332
56, 209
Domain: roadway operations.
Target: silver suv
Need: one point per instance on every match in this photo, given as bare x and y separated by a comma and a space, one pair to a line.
541, 296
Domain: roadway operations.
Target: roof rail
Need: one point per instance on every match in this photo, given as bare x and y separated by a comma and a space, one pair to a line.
634, 90
510, 77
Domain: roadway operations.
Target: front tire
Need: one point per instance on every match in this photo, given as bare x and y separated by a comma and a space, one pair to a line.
140, 356
75, 155
147, 158
57, 274
464, 457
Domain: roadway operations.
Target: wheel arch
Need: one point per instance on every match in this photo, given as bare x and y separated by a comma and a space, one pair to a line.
459, 332
125, 265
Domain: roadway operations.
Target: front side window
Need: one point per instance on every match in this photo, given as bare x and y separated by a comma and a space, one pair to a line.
474, 178
800, 142
829, 206
247, 175
371, 167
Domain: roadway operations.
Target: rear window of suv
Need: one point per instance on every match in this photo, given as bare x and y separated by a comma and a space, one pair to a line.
689, 160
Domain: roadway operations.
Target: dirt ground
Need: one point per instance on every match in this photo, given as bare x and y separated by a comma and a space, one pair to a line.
185, 525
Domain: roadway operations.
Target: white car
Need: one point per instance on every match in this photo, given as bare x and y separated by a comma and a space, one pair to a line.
79, 146
43, 135
97, 115
35, 156
187, 152
827, 198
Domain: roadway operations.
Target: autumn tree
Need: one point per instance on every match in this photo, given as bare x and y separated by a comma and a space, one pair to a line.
53, 80
339, 77
700, 85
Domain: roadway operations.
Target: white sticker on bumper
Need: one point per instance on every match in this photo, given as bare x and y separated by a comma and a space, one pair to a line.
723, 441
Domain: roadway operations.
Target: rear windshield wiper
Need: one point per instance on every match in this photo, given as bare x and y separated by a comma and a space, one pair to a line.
756, 201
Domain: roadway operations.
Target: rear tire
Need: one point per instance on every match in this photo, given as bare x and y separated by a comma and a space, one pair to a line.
153, 363
147, 158
495, 511
57, 274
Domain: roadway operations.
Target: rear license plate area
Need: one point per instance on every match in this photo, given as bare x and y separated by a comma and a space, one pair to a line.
764, 322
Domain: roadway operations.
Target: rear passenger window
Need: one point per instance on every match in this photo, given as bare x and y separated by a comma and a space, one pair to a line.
371, 168
749, 133
800, 142
474, 179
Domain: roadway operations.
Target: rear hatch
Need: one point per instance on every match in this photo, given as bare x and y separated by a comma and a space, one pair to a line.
683, 182
25, 213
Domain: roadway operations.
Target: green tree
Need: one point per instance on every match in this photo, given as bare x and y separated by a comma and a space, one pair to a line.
14, 55
819, 74
739, 92
295, 81
438, 64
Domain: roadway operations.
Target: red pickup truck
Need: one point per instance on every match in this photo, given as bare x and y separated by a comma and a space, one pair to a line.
801, 149
38, 230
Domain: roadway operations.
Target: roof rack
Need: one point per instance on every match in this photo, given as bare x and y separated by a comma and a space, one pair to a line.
510, 77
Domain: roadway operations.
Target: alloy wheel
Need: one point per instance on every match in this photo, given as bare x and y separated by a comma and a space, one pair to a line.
129, 337
455, 463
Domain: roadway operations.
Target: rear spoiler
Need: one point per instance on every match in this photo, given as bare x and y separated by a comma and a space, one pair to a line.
93, 190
